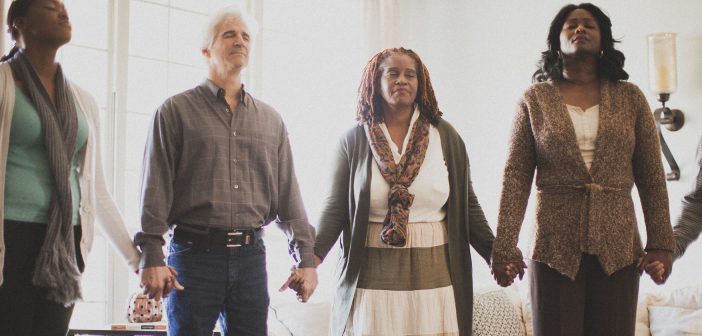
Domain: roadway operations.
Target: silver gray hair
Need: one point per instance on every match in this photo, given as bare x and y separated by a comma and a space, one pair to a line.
222, 14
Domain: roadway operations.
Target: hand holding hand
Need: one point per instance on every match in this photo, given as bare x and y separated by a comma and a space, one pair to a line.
658, 264
158, 281
293, 282
303, 281
309, 283
505, 273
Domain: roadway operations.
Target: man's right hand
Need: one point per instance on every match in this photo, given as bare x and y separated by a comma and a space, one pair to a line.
158, 281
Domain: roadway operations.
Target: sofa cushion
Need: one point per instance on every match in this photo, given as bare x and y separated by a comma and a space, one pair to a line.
678, 312
642, 320
675, 321
687, 297
495, 313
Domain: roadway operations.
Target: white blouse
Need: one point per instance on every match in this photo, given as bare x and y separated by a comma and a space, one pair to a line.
430, 187
585, 124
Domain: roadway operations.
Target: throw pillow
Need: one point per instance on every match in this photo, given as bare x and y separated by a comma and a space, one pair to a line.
687, 297
642, 320
674, 321
494, 314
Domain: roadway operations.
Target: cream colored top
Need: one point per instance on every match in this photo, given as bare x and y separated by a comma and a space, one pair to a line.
585, 124
430, 188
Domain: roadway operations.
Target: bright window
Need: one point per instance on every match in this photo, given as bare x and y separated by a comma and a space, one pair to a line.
131, 55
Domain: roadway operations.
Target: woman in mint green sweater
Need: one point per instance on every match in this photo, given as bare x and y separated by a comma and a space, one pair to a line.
51, 175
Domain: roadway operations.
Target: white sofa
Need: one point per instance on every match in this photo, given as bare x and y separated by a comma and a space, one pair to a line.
497, 311
507, 312
671, 313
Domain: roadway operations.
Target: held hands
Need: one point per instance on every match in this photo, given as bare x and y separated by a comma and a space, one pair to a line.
504, 273
159, 281
658, 264
303, 281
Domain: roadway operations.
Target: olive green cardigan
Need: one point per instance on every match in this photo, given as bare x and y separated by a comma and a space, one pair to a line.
345, 213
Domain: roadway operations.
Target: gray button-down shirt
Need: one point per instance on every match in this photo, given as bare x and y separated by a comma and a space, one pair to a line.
207, 165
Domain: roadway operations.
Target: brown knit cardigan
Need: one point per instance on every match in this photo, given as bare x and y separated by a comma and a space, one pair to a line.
580, 211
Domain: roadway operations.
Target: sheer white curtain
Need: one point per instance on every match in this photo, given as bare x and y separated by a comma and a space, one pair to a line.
2, 23
380, 25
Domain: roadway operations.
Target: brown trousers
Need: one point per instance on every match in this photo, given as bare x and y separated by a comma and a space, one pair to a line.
593, 305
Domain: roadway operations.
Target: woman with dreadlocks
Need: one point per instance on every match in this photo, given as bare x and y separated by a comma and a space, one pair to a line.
51, 177
401, 198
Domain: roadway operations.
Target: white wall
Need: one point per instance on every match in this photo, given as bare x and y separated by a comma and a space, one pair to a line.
309, 67
481, 55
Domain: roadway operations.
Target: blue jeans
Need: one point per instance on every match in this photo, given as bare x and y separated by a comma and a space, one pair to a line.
226, 284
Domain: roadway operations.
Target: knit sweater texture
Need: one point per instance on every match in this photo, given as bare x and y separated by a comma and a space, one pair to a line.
579, 210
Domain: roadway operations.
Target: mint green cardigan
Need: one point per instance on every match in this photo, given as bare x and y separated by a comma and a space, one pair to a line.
345, 213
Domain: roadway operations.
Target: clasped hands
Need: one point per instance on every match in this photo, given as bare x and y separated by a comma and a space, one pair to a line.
505, 273
302, 280
658, 264
159, 281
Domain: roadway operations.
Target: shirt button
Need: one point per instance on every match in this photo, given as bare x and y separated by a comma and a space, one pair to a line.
234, 133
236, 186
234, 160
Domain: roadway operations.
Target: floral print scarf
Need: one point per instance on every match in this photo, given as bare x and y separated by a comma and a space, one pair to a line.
399, 176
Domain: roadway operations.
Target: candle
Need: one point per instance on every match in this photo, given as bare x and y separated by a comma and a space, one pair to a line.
662, 68
663, 84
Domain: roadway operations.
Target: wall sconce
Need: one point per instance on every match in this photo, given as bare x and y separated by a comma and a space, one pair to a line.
662, 74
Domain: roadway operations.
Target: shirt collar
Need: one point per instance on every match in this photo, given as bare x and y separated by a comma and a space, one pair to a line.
218, 92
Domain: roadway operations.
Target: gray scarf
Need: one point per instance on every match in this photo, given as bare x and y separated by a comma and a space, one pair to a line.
56, 268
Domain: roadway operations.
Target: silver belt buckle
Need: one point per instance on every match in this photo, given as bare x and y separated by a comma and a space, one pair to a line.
232, 234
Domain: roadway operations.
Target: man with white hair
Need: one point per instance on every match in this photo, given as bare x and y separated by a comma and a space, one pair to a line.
217, 168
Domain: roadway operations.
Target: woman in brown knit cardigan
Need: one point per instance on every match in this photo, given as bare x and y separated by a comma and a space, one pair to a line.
589, 136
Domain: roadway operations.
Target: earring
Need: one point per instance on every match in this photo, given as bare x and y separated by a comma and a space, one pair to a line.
601, 53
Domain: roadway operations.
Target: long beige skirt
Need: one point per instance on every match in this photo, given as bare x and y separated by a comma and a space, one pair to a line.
405, 290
